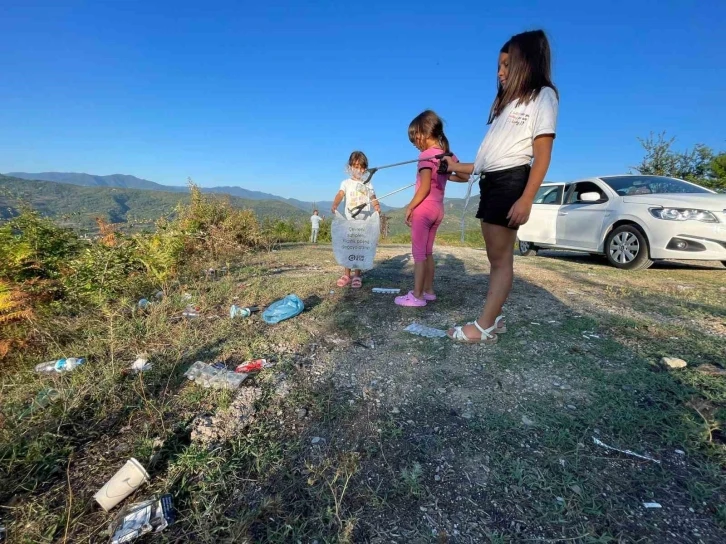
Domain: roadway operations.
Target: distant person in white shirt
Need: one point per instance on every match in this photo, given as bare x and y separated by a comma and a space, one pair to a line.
315, 220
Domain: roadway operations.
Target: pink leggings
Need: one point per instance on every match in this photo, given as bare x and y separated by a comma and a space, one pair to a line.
426, 220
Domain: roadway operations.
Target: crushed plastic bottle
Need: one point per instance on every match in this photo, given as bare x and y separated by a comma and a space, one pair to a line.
190, 311
42, 400
237, 311
217, 378
60, 365
423, 330
386, 290
144, 303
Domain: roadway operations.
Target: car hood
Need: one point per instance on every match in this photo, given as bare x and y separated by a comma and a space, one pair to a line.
711, 202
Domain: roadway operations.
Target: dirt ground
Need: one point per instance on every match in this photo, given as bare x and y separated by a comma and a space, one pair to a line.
362, 432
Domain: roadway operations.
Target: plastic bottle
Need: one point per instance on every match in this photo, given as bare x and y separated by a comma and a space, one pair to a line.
144, 303
427, 332
236, 311
60, 365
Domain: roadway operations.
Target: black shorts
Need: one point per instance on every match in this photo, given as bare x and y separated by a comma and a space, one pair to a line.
499, 191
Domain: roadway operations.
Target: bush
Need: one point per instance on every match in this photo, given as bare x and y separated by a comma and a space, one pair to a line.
32, 246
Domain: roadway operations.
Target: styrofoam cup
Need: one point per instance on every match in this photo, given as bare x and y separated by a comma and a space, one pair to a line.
127, 480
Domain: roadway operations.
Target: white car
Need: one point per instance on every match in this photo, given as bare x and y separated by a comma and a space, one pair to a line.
633, 220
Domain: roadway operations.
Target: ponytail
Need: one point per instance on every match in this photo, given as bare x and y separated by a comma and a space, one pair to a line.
428, 125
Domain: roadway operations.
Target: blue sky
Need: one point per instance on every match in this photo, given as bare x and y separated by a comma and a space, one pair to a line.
273, 96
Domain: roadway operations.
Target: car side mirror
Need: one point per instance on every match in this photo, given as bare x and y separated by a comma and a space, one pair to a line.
590, 197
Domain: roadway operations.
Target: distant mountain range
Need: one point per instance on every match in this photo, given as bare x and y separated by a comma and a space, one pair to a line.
132, 182
78, 206
128, 199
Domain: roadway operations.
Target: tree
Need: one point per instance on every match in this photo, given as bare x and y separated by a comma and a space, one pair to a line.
699, 165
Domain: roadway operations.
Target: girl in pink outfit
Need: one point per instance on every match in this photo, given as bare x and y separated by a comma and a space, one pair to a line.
426, 211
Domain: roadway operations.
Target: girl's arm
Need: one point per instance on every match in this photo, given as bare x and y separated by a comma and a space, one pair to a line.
458, 178
421, 193
460, 168
542, 151
376, 204
337, 200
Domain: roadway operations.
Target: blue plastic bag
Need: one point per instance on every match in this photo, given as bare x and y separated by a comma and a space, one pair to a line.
288, 307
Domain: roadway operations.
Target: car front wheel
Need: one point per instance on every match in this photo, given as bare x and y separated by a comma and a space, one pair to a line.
527, 249
627, 248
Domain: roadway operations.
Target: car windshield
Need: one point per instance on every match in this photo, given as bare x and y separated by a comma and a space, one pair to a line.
650, 185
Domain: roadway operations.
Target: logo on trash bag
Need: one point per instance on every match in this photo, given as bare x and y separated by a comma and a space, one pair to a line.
356, 257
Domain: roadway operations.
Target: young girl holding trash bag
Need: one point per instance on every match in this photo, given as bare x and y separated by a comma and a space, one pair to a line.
523, 119
426, 210
356, 195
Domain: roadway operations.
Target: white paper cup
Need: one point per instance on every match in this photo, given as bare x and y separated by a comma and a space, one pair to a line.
127, 480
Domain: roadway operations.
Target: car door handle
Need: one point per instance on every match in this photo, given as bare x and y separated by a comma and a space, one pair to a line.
562, 213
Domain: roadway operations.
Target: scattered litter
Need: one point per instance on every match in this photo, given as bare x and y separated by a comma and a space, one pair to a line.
710, 370
317, 440
142, 518
141, 364
386, 291
191, 311
332, 292
652, 505
236, 311
288, 307
627, 452
301, 413
422, 330
144, 303
680, 452
216, 378
535, 323
60, 365
186, 297
571, 407
128, 479
159, 295
41, 401
673, 363
252, 366
528, 422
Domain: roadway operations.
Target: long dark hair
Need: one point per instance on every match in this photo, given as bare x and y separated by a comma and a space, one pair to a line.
428, 125
529, 70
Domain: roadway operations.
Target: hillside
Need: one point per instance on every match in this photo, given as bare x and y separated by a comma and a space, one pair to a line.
452, 217
132, 182
78, 206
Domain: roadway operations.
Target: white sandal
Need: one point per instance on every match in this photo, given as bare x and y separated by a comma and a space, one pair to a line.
500, 326
487, 335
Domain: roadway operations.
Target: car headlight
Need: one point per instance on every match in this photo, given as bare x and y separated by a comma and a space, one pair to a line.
683, 214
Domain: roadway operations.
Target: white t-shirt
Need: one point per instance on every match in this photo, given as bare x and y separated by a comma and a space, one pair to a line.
315, 220
357, 193
508, 143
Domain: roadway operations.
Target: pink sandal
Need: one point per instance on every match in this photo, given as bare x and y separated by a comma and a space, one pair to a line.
429, 298
343, 281
357, 282
410, 300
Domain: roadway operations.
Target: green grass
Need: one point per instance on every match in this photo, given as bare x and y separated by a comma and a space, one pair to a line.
376, 468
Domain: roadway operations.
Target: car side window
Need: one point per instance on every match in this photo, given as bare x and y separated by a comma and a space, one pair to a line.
549, 195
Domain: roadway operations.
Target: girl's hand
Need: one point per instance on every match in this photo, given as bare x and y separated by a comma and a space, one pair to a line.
519, 212
409, 216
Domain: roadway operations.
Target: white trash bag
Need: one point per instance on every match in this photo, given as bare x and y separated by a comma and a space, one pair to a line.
355, 240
